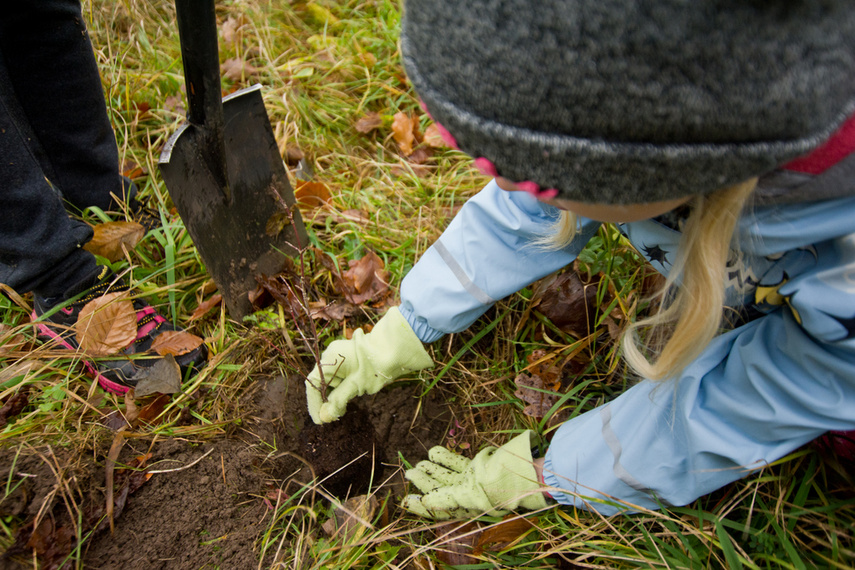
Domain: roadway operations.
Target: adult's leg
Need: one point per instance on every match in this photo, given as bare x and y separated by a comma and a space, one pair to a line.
40, 246
56, 143
54, 75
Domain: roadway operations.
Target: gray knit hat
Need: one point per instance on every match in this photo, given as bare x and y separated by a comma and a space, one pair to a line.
630, 101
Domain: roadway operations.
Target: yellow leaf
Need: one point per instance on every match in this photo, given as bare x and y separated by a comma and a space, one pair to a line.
107, 324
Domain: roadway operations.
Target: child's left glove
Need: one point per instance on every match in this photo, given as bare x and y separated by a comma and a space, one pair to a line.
495, 482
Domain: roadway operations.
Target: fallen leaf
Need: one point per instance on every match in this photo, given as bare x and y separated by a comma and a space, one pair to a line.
366, 279
455, 543
14, 405
420, 156
235, 69
543, 367
532, 390
175, 343
107, 324
162, 377
568, 302
312, 194
203, 308
114, 421
113, 239
132, 170
500, 535
404, 129
229, 29
351, 520
357, 216
335, 311
132, 412
368, 123
433, 138
293, 155
154, 408
175, 103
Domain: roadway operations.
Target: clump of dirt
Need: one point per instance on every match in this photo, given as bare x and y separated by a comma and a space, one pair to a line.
206, 502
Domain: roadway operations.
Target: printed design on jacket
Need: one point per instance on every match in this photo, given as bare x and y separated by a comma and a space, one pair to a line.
656, 253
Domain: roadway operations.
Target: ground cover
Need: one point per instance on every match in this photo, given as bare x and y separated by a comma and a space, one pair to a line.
229, 473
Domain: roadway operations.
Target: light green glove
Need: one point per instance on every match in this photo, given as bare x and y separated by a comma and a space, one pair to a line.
495, 482
364, 365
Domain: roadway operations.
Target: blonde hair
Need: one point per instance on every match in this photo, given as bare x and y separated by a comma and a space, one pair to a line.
692, 299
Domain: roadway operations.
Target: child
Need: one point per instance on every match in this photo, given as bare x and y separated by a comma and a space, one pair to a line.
719, 135
58, 150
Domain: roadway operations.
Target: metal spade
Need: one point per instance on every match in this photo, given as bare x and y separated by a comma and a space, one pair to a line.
224, 172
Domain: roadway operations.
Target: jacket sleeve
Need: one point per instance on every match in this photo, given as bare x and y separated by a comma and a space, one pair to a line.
485, 254
755, 394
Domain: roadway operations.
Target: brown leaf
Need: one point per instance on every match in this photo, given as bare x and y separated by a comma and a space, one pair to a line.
568, 302
107, 324
175, 343
404, 130
433, 138
529, 390
112, 239
335, 311
456, 543
229, 29
542, 366
162, 377
132, 170
236, 69
14, 405
175, 103
154, 408
312, 194
357, 216
366, 279
368, 123
203, 308
420, 156
293, 155
499, 536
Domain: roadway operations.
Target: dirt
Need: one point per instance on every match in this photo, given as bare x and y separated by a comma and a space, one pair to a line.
207, 503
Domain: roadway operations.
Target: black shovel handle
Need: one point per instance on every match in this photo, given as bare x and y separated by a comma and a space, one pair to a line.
197, 31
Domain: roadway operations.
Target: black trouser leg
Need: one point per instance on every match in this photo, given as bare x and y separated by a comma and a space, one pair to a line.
53, 126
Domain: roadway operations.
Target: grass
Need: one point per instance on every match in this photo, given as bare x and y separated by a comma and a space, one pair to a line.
323, 66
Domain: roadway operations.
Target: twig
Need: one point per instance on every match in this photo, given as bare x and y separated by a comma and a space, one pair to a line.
183, 467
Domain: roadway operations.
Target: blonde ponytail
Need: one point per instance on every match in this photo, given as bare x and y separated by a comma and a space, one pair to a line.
692, 299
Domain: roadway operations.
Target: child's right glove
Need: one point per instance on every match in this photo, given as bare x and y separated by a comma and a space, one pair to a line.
364, 365
495, 482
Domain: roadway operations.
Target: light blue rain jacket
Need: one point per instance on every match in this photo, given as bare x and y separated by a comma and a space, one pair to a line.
755, 393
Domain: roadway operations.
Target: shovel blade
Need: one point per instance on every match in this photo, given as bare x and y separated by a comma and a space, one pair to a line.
250, 232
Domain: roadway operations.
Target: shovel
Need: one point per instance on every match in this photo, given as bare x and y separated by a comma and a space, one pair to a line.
224, 172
